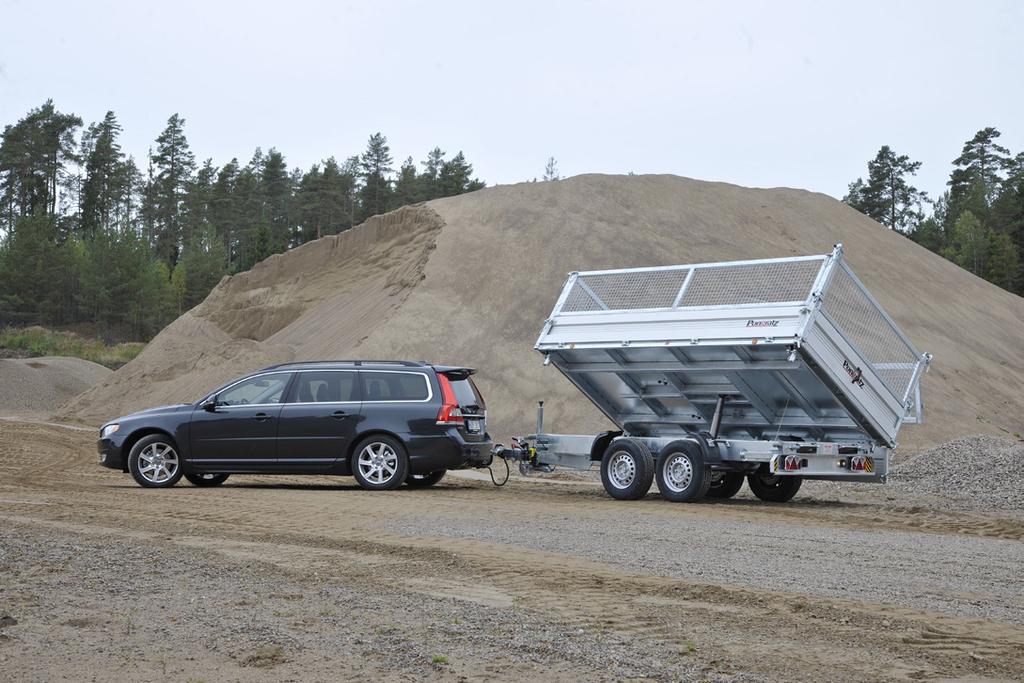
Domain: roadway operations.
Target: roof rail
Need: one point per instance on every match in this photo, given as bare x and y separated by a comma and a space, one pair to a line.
406, 363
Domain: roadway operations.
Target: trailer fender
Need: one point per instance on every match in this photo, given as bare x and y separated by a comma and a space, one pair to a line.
709, 448
600, 444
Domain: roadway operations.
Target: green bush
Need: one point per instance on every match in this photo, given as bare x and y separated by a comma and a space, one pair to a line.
39, 341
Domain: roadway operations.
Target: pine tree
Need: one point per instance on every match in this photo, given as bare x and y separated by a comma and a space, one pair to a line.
276, 188
981, 161
34, 155
174, 163
322, 200
407, 187
969, 244
108, 177
887, 196
429, 180
1002, 262
456, 177
197, 204
375, 169
225, 213
551, 169
251, 217
1007, 215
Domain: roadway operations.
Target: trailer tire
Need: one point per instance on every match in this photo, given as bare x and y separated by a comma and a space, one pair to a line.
627, 469
725, 484
683, 476
773, 488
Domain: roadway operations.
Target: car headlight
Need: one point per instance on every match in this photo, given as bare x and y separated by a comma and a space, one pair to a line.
108, 430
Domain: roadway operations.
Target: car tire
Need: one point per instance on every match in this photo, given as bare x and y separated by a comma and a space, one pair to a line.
204, 479
627, 469
725, 484
773, 488
683, 477
154, 462
422, 481
380, 463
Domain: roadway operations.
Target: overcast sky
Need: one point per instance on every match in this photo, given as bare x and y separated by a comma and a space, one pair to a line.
755, 93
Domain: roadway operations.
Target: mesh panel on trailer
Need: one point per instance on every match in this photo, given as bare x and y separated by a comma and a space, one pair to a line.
856, 316
644, 289
753, 283
579, 300
627, 290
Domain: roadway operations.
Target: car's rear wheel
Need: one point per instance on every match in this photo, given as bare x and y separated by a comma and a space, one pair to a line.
206, 478
154, 462
422, 481
380, 463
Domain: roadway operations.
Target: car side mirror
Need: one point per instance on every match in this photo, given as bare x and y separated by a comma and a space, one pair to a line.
209, 405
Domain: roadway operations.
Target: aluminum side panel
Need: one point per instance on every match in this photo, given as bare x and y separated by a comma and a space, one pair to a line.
869, 400
690, 326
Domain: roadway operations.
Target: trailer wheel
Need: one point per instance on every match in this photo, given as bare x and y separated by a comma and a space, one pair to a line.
773, 488
627, 469
725, 484
683, 477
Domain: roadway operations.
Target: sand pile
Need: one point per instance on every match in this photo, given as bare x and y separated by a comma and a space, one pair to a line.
43, 384
470, 279
984, 470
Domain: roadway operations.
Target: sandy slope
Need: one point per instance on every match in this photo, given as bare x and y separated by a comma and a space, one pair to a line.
470, 279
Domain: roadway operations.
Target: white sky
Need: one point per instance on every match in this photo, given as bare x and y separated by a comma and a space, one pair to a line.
767, 94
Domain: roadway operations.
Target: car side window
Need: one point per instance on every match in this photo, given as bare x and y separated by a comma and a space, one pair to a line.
325, 387
394, 386
255, 390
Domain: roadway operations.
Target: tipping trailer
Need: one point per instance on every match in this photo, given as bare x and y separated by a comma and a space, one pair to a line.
773, 371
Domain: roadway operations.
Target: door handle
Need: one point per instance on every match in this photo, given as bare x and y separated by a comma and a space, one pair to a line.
339, 414
261, 417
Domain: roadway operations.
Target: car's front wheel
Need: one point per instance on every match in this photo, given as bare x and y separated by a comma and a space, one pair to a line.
154, 462
380, 463
206, 478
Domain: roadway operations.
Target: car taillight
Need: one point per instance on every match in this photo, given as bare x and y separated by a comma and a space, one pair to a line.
450, 413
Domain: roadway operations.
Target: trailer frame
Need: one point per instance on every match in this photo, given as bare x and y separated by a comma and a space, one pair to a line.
786, 367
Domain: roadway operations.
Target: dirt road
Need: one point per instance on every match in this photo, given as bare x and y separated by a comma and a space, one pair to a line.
290, 578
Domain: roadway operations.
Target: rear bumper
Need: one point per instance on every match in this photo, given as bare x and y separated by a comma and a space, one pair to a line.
448, 451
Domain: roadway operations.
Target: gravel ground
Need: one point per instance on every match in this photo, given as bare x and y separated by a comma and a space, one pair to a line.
311, 578
144, 612
936, 572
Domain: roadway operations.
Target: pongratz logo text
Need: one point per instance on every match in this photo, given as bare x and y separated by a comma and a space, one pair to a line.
762, 323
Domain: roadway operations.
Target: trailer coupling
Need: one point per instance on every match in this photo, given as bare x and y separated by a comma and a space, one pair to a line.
522, 452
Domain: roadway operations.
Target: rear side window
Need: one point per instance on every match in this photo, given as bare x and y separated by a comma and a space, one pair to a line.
466, 393
325, 387
394, 386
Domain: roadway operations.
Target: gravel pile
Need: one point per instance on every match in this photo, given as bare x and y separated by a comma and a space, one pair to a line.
44, 384
985, 469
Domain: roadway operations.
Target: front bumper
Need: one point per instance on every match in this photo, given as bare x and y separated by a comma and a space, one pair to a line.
111, 454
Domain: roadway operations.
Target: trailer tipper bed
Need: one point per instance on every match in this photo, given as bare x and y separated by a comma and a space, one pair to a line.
773, 371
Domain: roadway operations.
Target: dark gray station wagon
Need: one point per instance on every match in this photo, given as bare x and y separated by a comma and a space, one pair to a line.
384, 422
